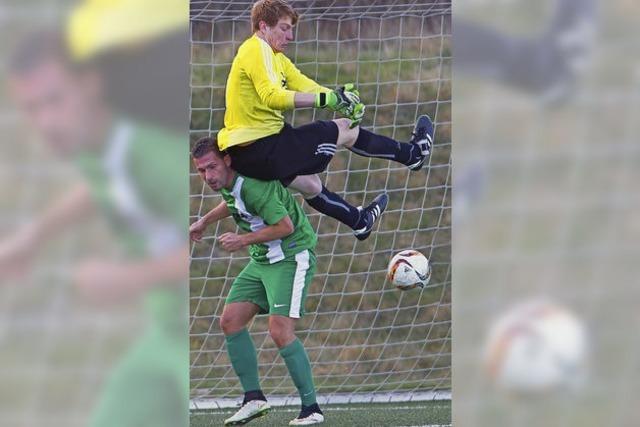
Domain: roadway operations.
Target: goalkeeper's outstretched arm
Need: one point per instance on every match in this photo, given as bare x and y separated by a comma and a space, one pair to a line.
344, 100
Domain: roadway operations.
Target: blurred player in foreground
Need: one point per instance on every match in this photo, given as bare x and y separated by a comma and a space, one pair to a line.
130, 177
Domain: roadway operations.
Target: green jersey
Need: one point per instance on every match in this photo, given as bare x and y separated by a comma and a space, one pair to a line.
256, 204
137, 180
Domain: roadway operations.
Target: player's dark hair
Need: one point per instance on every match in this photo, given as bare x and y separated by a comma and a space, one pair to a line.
39, 48
130, 88
270, 11
204, 145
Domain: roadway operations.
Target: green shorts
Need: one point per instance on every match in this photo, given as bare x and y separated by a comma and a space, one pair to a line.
279, 288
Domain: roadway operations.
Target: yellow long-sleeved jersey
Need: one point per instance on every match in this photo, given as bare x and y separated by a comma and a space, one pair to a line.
260, 85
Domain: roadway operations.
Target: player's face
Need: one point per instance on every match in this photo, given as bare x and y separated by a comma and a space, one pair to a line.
57, 103
279, 35
214, 170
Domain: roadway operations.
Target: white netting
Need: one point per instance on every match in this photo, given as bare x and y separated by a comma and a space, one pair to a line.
212, 10
362, 335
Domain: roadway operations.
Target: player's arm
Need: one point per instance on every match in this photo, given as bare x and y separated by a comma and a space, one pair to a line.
303, 100
112, 280
75, 205
214, 215
344, 100
299, 82
258, 67
233, 242
264, 199
301, 91
279, 230
17, 249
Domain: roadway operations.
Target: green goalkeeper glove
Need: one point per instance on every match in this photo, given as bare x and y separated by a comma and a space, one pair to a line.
344, 100
357, 115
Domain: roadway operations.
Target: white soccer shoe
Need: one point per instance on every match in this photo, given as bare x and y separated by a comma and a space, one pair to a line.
314, 418
249, 411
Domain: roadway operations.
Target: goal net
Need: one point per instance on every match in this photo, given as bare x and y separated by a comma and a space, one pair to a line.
367, 341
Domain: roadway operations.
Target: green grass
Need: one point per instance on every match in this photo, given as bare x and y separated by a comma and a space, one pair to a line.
387, 414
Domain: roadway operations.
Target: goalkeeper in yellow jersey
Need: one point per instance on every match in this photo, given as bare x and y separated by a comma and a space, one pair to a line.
262, 83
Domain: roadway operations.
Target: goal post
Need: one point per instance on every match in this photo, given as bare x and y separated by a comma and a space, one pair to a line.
366, 340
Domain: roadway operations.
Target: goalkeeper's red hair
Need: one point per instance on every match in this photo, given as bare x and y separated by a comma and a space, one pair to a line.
270, 11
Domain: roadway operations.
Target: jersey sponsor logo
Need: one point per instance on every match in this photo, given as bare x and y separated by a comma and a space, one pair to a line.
278, 305
326, 149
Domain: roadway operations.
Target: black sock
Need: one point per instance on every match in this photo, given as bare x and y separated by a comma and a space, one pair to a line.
336, 207
253, 395
370, 144
308, 410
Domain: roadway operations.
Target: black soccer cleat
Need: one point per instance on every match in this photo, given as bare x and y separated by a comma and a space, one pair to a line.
422, 139
371, 214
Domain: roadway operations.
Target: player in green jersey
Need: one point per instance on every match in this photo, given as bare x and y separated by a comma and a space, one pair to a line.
274, 282
121, 161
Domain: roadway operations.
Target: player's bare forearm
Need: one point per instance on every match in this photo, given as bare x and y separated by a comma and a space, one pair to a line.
216, 214
197, 229
282, 229
65, 212
171, 267
233, 242
302, 100
110, 279
18, 248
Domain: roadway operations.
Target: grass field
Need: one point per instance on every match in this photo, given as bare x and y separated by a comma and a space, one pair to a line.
431, 413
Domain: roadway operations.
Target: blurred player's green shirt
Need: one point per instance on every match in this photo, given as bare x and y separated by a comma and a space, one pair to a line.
260, 85
255, 204
137, 182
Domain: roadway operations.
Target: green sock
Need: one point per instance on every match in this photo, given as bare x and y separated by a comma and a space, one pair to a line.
244, 360
297, 361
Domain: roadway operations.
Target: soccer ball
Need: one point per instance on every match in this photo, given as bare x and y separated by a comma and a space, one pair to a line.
536, 348
409, 269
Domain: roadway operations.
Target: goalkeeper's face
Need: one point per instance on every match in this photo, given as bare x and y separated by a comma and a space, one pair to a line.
279, 35
215, 170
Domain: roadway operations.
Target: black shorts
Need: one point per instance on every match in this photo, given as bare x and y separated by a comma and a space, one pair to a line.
305, 150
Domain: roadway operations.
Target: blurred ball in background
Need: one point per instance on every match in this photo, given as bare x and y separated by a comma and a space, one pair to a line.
537, 347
